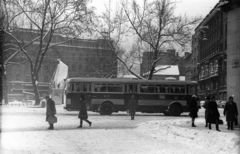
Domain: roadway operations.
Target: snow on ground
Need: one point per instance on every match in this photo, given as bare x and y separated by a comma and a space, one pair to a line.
24, 132
179, 131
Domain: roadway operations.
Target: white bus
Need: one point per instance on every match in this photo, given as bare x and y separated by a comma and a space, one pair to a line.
112, 95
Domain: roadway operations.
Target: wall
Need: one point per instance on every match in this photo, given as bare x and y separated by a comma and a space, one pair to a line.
233, 56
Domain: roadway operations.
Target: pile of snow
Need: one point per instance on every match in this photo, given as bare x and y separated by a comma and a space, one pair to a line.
180, 131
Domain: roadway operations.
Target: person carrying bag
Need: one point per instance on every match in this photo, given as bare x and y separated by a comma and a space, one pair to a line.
50, 112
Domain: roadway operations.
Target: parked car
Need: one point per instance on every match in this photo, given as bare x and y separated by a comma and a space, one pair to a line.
223, 103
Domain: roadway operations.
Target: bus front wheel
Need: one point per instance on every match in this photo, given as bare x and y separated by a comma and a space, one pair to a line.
106, 108
175, 110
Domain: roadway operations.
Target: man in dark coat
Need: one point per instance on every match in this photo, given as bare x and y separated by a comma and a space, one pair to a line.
206, 106
231, 112
132, 106
50, 110
213, 114
83, 115
193, 109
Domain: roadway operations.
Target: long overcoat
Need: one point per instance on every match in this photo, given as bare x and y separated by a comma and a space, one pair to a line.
193, 109
132, 105
83, 115
206, 106
50, 109
213, 114
231, 111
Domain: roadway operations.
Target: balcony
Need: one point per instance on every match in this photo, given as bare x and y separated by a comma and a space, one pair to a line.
214, 73
207, 76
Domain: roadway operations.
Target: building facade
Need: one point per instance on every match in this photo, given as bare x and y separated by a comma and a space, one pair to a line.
195, 58
84, 58
232, 9
188, 66
210, 42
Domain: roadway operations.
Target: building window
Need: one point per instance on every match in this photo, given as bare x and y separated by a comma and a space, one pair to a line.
80, 68
27, 78
17, 77
73, 68
45, 78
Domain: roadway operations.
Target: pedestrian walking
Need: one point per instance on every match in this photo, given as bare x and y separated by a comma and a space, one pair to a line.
231, 112
132, 106
83, 115
193, 109
213, 113
206, 106
50, 112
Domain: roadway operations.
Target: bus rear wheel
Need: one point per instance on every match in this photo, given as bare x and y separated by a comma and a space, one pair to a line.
175, 110
106, 109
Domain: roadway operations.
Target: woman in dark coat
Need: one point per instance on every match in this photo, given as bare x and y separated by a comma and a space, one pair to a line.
231, 112
132, 106
206, 106
83, 115
213, 114
50, 110
193, 109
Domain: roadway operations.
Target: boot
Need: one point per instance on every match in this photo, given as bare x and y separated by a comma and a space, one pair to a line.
206, 124
51, 127
89, 122
231, 124
217, 128
80, 126
209, 126
193, 125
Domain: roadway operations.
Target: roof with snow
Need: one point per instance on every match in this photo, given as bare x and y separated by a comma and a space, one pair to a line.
166, 70
129, 76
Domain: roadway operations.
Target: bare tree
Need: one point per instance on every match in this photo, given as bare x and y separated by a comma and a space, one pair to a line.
3, 24
155, 23
113, 27
44, 20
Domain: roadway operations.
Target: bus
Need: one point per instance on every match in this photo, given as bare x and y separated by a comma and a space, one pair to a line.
106, 96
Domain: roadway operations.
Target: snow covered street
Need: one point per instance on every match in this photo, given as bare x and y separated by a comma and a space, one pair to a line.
24, 131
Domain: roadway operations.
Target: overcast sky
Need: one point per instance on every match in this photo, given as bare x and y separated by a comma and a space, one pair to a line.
190, 7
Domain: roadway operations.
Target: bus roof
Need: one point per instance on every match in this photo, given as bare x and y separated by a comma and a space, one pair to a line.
120, 80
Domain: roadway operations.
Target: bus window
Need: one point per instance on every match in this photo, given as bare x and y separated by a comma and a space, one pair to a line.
167, 89
143, 89
174, 89
160, 89
97, 87
72, 87
151, 88
181, 89
130, 88
114, 88
147, 88
86, 87
77, 87
103, 88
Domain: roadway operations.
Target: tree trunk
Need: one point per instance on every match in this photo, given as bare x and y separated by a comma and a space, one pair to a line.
5, 87
35, 88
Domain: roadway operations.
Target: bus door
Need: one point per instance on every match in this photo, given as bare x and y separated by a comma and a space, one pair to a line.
130, 89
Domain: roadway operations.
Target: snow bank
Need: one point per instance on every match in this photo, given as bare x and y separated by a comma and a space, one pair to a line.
200, 137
